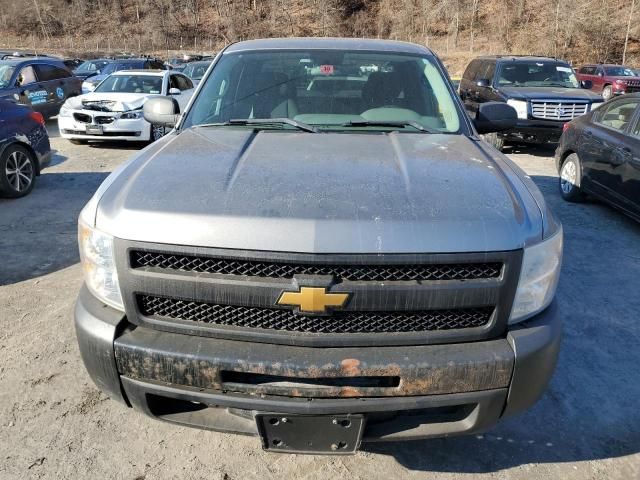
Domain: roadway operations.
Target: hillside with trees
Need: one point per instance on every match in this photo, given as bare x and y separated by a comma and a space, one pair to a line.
578, 30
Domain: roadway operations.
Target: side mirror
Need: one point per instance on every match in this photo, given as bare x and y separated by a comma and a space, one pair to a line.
586, 84
161, 111
174, 91
482, 83
495, 117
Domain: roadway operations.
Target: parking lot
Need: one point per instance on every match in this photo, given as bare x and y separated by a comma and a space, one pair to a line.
54, 422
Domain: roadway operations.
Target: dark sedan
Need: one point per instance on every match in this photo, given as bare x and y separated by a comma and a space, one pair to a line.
599, 154
42, 83
24, 148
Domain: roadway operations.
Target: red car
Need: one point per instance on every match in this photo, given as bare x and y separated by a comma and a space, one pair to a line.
610, 80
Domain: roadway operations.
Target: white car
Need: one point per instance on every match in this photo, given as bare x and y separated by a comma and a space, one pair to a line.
113, 111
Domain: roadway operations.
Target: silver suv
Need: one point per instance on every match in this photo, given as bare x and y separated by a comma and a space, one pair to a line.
321, 253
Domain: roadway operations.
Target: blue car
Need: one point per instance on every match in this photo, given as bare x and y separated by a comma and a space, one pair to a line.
24, 148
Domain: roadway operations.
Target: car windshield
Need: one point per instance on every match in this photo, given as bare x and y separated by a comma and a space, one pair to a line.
328, 89
196, 71
150, 84
619, 72
90, 66
537, 74
6, 72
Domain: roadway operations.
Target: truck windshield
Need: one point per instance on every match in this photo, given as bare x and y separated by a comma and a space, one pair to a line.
131, 84
6, 72
329, 90
537, 74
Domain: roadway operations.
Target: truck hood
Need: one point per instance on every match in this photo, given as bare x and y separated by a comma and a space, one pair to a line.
533, 93
320, 193
108, 102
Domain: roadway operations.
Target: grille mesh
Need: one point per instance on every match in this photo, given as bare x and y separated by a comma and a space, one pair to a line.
382, 273
339, 322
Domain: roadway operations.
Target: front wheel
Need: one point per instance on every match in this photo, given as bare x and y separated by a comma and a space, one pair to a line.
17, 172
157, 132
494, 139
570, 179
607, 92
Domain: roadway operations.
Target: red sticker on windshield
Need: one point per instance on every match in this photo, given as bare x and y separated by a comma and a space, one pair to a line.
326, 69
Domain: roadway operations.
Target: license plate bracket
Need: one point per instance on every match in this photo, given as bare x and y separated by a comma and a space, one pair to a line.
313, 434
94, 129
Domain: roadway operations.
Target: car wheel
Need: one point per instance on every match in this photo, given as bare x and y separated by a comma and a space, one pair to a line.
17, 172
494, 139
157, 132
607, 92
570, 179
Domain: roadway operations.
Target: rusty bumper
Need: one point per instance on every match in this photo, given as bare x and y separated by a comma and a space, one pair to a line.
220, 384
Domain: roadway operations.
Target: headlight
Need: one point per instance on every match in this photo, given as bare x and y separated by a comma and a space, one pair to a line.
520, 106
65, 111
621, 82
595, 105
132, 115
96, 256
538, 278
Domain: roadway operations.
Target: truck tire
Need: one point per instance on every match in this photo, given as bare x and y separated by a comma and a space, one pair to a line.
17, 172
607, 92
494, 139
570, 179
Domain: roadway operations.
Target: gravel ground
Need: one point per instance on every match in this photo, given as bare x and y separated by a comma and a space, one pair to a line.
54, 423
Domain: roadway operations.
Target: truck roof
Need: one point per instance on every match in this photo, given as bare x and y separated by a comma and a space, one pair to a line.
329, 43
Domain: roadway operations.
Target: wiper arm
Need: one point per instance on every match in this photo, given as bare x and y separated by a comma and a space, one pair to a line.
389, 123
271, 121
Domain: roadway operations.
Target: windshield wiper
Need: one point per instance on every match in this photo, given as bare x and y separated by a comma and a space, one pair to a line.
388, 123
266, 121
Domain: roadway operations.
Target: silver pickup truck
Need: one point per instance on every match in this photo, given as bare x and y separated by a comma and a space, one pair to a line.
321, 253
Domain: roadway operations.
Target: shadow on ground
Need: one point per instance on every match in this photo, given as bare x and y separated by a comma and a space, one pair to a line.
38, 233
590, 411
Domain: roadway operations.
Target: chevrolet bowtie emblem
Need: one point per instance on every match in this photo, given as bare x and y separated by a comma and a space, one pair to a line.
313, 299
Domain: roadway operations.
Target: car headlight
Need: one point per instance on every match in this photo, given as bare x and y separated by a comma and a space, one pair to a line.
538, 278
621, 82
595, 105
98, 264
65, 111
520, 106
132, 115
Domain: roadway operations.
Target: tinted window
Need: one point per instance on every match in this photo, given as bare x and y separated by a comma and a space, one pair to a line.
50, 72
6, 72
617, 115
183, 82
588, 70
471, 70
619, 71
486, 71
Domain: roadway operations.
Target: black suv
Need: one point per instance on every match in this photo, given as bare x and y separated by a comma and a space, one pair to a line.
41, 83
544, 92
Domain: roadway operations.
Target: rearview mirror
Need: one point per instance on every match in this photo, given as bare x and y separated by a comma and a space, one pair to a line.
161, 111
483, 83
495, 117
586, 84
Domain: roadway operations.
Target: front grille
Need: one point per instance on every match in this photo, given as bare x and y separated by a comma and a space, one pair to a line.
555, 110
104, 120
377, 273
82, 117
338, 323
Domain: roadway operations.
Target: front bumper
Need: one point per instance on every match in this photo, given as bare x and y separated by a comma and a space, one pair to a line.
119, 129
535, 131
403, 392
